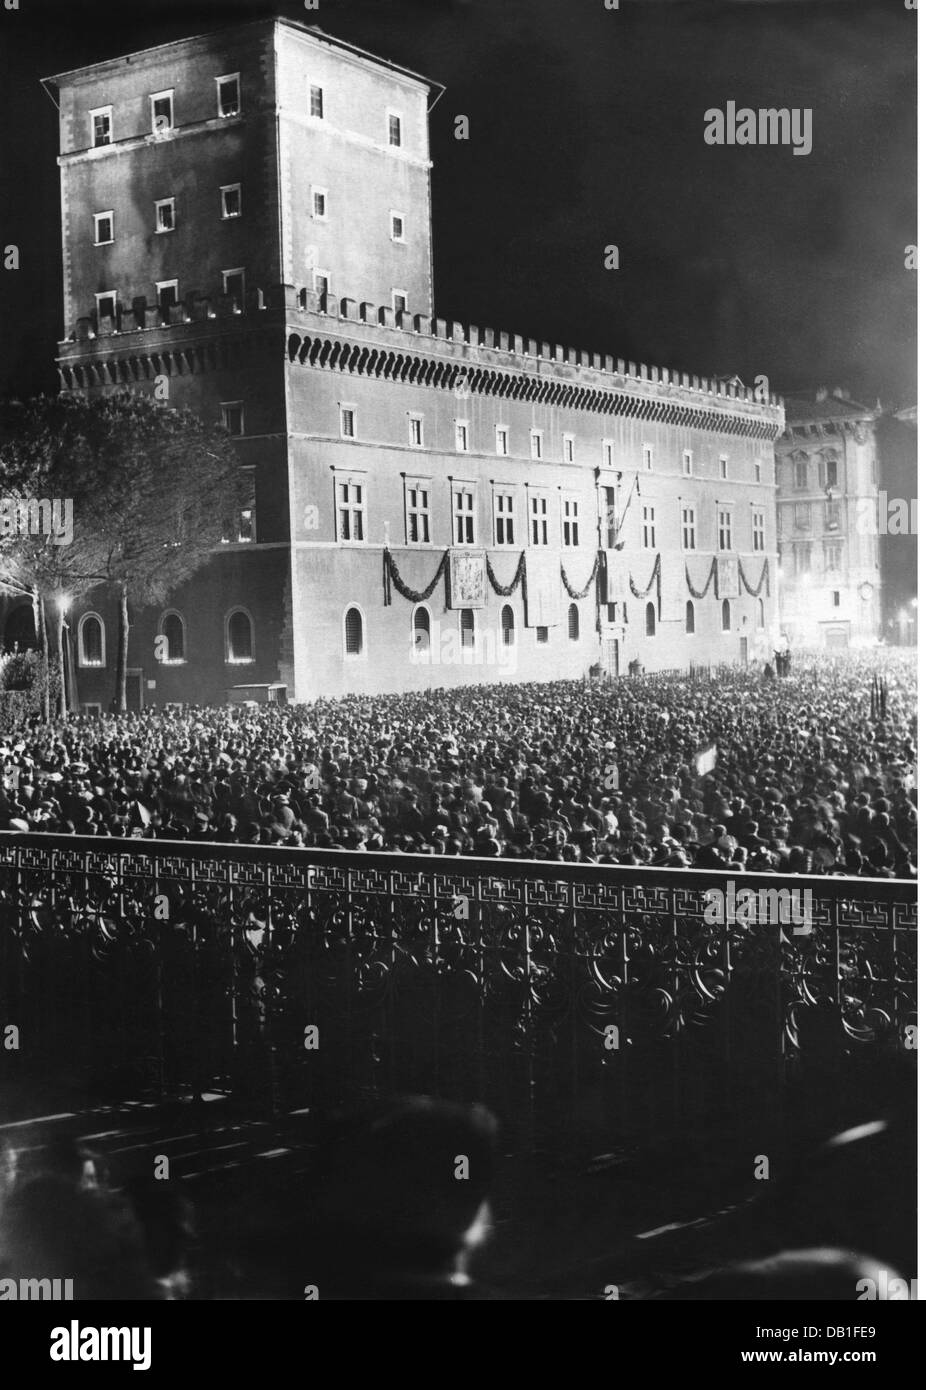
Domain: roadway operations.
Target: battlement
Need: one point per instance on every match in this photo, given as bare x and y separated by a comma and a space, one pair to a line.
469, 347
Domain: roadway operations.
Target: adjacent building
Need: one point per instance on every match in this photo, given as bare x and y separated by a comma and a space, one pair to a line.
830, 520
246, 231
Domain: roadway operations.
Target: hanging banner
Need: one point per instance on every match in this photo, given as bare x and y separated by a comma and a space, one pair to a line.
468, 582
674, 590
615, 580
543, 589
728, 578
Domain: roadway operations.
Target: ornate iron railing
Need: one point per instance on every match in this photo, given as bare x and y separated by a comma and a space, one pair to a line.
164, 967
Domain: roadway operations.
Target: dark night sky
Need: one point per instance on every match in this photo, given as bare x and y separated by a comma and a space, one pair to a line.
586, 129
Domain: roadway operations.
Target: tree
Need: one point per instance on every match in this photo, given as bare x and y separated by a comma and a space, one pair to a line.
151, 490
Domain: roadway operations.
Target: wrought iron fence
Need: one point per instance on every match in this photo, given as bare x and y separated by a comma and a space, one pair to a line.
315, 977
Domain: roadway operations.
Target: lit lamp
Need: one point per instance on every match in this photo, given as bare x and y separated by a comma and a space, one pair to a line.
64, 604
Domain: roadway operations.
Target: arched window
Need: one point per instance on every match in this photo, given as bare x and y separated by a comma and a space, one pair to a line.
507, 619
421, 630
174, 630
91, 641
467, 628
689, 616
760, 615
353, 632
651, 620
573, 622
239, 643
725, 615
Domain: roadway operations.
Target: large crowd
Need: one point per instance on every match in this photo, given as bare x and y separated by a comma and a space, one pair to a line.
802, 773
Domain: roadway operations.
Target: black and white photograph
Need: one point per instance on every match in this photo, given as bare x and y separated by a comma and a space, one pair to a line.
458, 634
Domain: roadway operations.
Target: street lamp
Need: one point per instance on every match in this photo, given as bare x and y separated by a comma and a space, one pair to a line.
64, 604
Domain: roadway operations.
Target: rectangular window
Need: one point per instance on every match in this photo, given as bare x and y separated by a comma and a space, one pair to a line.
504, 517
501, 440
832, 555
232, 415
538, 510
835, 598
168, 297
103, 228
758, 530
543, 635
461, 436
233, 286
322, 282
316, 102
800, 475
162, 112
351, 509
320, 204
687, 463
569, 448
400, 301
758, 472
464, 515
106, 306
164, 215
803, 557
247, 517
724, 467
570, 521
417, 511
647, 458
348, 422
397, 224
101, 126
688, 528
802, 516
415, 431
607, 453
231, 200
649, 528
228, 94
536, 444
832, 473
725, 530
832, 516
395, 129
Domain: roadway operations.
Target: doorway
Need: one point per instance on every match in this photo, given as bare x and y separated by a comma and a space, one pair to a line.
612, 657
134, 689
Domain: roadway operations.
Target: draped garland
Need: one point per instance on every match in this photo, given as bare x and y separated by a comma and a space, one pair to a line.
580, 593
506, 590
656, 574
711, 577
391, 576
763, 579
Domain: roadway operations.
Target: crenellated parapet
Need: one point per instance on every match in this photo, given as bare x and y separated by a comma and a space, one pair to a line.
360, 338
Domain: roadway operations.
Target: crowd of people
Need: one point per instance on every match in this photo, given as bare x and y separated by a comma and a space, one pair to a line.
800, 774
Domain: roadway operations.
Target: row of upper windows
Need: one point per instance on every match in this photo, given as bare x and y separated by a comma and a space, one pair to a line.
165, 214
228, 103
537, 450
827, 473
351, 517
230, 207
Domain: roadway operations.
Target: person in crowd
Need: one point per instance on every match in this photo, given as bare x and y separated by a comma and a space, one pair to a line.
806, 778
